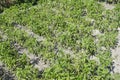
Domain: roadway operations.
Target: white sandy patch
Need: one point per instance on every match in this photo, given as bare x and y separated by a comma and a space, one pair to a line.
95, 59
30, 32
96, 32
116, 55
108, 6
40, 64
4, 37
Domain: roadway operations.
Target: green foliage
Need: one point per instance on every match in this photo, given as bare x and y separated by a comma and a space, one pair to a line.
64, 24
111, 1
7, 3
18, 64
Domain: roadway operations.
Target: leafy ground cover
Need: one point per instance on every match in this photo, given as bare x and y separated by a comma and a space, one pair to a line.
70, 45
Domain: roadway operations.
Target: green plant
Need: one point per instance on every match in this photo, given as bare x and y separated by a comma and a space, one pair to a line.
67, 28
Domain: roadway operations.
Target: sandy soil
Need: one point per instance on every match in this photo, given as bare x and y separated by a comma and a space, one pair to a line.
116, 55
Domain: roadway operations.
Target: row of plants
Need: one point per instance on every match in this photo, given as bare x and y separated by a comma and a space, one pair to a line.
17, 64
60, 27
8, 3
110, 1
48, 73
65, 23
